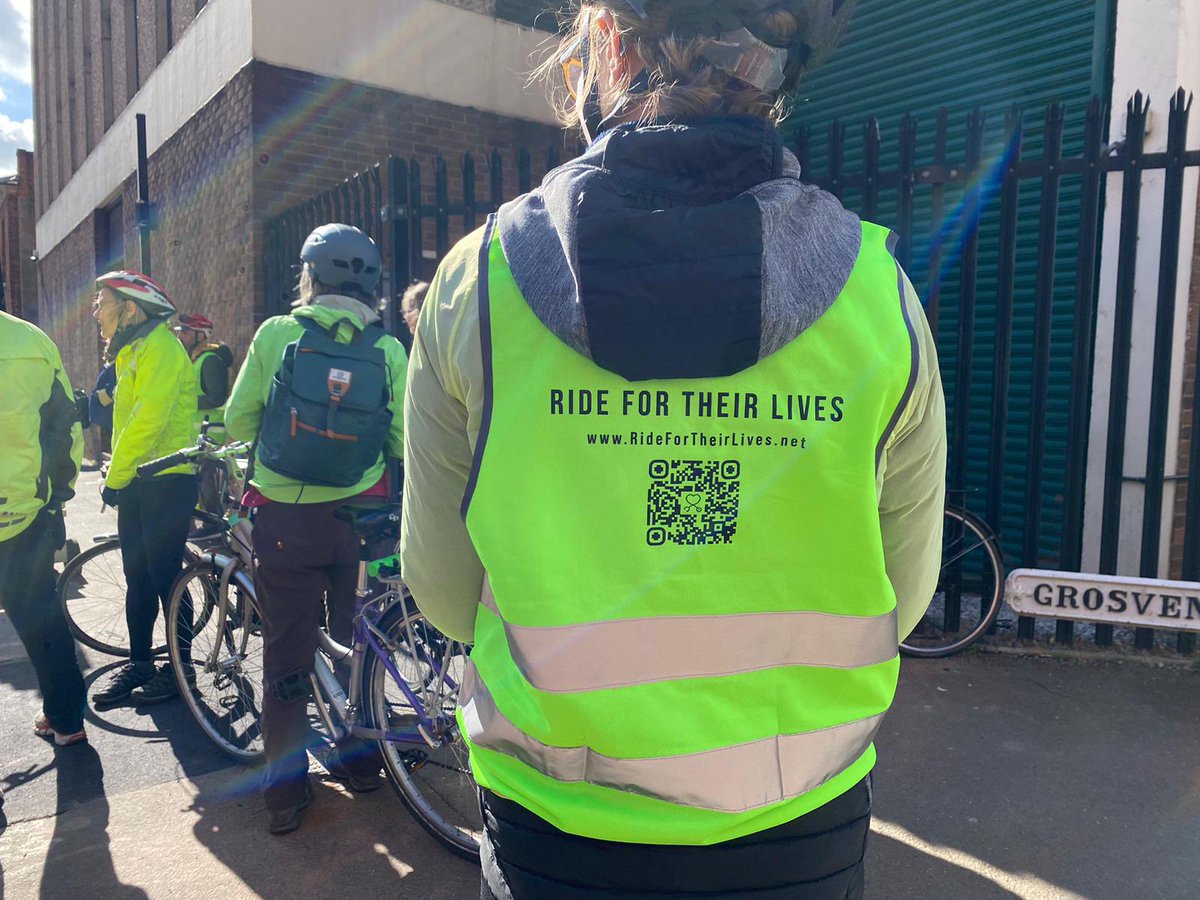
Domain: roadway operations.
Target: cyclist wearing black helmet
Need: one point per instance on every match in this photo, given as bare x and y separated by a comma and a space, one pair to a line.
322, 393
677, 459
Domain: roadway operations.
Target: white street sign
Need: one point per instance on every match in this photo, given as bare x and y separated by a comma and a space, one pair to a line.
1115, 599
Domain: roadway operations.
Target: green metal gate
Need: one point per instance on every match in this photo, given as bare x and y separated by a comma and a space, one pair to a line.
922, 56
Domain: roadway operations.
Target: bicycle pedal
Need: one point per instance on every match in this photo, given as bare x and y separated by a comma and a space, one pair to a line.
414, 760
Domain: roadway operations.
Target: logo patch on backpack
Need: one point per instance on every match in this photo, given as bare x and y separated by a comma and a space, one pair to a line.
339, 383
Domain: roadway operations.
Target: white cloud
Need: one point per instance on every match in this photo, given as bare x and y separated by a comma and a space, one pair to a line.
14, 135
16, 59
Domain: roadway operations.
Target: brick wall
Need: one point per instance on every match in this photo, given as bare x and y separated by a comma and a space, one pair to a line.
67, 274
313, 132
1191, 358
204, 249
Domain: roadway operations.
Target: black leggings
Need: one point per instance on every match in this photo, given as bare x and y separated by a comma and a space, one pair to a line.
153, 521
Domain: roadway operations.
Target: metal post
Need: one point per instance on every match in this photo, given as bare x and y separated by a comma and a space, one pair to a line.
496, 179
969, 221
397, 205
1010, 194
416, 225
837, 141
871, 168
803, 151
468, 172
1118, 400
1082, 354
143, 195
1044, 316
441, 195
908, 157
939, 211
966, 320
1164, 339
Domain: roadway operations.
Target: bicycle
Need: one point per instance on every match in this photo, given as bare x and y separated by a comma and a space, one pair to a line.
91, 588
970, 590
404, 675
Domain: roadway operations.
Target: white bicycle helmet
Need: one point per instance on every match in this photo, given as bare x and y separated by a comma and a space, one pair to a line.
141, 289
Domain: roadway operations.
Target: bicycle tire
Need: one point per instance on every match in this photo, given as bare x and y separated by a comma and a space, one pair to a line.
91, 592
221, 699
448, 782
993, 564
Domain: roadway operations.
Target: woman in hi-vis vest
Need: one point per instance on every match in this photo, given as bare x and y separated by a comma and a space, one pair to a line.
675, 448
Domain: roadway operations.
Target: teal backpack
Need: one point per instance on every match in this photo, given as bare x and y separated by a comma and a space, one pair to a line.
327, 418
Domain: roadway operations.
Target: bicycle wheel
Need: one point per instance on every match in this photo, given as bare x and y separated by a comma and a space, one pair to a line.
970, 589
223, 692
91, 590
434, 784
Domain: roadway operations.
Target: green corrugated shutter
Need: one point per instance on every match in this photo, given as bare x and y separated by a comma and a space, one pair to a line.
916, 56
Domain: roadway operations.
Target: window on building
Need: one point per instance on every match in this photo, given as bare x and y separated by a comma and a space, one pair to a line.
132, 75
163, 29
106, 62
110, 238
89, 75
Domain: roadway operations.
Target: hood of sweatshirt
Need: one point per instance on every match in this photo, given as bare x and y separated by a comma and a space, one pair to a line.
681, 250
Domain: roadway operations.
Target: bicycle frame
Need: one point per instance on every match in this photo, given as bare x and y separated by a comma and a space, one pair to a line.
332, 700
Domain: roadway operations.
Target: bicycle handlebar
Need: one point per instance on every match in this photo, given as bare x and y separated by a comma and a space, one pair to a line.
145, 470
189, 454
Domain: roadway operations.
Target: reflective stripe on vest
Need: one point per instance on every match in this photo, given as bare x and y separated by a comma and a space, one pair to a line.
687, 632
571, 658
733, 779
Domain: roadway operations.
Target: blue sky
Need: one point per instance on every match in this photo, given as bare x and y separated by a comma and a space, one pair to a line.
16, 94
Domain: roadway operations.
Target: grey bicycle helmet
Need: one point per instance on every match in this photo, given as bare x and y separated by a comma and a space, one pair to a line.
822, 25
344, 258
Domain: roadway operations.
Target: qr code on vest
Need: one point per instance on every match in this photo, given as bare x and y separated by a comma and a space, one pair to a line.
692, 502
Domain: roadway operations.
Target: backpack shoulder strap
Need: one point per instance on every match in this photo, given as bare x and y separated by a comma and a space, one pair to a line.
313, 326
370, 335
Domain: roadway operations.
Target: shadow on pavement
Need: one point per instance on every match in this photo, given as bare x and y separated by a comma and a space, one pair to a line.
349, 844
78, 860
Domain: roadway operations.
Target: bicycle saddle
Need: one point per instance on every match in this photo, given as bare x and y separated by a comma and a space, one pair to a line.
369, 522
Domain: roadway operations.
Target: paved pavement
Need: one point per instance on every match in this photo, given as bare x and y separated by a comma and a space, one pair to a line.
999, 776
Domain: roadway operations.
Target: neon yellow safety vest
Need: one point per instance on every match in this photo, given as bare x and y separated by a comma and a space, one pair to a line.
687, 634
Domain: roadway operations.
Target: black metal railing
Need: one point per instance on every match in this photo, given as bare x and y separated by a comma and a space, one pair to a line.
997, 192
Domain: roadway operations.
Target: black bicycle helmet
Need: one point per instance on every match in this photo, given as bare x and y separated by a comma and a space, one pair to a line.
343, 258
822, 24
